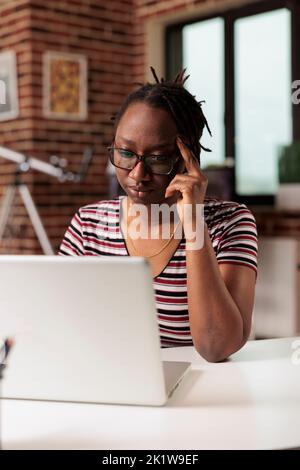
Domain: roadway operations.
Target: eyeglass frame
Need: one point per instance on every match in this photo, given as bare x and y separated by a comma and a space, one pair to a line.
140, 158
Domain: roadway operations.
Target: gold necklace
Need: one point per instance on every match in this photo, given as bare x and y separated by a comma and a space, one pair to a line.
161, 249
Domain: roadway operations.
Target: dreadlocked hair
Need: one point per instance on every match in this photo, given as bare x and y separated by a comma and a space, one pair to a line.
179, 102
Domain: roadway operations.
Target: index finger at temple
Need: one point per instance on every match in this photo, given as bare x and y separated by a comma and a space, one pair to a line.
191, 163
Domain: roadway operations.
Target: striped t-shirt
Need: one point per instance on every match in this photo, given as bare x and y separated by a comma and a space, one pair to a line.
95, 231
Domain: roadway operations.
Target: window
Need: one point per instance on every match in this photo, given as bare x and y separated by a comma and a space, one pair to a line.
263, 106
206, 68
242, 63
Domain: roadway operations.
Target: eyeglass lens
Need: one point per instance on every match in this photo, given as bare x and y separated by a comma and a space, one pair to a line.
159, 164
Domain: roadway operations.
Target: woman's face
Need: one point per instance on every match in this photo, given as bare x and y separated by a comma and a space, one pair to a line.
146, 130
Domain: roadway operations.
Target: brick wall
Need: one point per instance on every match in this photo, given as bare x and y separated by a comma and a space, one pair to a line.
112, 35
102, 32
16, 134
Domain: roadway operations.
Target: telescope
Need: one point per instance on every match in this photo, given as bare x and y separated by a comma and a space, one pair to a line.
55, 168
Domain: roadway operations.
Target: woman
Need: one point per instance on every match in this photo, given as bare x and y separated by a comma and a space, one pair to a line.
204, 296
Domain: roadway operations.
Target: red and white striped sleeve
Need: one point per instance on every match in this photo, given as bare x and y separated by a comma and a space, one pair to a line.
238, 243
72, 243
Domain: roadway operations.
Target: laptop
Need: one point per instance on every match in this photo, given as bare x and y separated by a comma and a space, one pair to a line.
85, 330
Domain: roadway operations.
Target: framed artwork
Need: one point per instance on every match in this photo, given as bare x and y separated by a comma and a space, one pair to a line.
9, 105
64, 86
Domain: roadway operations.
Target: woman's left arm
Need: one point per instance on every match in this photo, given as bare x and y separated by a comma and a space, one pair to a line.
220, 302
220, 296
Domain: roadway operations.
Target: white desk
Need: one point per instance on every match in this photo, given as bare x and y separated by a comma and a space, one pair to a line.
249, 402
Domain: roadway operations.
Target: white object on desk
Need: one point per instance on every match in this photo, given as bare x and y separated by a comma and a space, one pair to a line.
249, 402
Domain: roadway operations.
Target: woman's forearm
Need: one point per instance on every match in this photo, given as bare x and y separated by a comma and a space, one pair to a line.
215, 321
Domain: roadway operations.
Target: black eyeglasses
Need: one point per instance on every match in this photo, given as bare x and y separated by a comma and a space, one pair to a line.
127, 160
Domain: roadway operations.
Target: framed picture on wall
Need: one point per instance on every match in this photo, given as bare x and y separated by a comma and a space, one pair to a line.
9, 106
64, 86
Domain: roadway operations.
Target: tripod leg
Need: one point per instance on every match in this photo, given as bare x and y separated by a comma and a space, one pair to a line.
35, 219
6, 208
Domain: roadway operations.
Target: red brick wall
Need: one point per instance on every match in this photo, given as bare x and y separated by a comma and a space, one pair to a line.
101, 30
112, 35
17, 134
